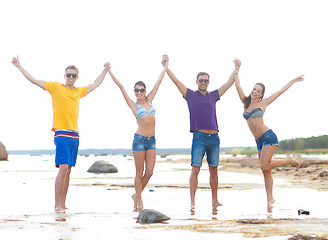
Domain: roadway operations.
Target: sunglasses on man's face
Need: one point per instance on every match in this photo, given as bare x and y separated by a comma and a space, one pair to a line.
73, 75
203, 80
142, 90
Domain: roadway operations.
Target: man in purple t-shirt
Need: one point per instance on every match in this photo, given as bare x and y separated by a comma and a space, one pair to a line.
203, 124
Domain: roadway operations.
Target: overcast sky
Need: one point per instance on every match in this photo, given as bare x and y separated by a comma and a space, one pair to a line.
275, 40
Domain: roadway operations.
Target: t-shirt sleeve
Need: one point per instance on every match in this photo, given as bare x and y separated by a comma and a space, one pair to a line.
83, 91
50, 86
216, 95
188, 94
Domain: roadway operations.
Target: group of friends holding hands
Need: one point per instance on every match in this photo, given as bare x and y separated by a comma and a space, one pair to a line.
203, 125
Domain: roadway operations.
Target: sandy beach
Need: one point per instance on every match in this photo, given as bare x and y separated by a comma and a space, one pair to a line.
100, 205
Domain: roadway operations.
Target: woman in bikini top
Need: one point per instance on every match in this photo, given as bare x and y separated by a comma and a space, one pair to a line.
144, 143
254, 107
256, 113
141, 111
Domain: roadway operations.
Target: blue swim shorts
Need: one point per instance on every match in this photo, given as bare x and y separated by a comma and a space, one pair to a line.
205, 143
66, 151
142, 143
269, 138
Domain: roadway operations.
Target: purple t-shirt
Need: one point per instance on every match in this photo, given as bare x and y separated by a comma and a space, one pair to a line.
202, 109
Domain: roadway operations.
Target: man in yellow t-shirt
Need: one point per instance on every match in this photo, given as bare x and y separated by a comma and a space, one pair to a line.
65, 104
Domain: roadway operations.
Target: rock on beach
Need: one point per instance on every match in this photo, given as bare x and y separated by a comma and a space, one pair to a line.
3, 152
151, 216
102, 166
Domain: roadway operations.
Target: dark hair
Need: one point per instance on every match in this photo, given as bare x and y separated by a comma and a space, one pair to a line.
72, 67
140, 83
247, 100
201, 74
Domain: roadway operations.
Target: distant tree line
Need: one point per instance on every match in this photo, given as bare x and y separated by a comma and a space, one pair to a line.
320, 142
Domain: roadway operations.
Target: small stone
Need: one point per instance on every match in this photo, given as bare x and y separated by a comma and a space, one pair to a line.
151, 216
323, 174
304, 212
102, 166
3, 152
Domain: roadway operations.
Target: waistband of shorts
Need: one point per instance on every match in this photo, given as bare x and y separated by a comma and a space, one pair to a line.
199, 133
263, 135
66, 133
144, 137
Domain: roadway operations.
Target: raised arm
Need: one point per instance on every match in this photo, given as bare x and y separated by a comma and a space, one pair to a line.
28, 76
153, 92
231, 79
237, 83
174, 79
274, 96
99, 79
128, 100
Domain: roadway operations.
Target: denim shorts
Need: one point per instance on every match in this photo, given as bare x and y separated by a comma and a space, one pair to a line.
142, 143
66, 151
269, 138
205, 143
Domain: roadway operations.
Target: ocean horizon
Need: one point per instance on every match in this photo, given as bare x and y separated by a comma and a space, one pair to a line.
119, 151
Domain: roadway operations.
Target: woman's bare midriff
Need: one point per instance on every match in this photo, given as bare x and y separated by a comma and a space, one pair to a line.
257, 127
146, 125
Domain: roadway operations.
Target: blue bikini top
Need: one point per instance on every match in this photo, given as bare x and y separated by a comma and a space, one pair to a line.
256, 113
141, 111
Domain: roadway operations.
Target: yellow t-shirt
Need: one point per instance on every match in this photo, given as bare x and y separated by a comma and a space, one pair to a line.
65, 104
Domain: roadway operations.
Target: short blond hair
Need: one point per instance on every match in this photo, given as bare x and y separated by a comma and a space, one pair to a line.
72, 67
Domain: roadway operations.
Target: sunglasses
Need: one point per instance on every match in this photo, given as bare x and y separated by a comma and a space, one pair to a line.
73, 75
142, 90
203, 80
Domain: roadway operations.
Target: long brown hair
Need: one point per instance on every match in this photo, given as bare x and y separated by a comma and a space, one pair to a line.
247, 100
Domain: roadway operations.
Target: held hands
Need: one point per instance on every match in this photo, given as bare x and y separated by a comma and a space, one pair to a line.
165, 60
15, 61
237, 66
107, 66
237, 63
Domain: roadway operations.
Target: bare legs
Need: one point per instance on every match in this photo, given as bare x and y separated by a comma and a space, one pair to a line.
142, 159
193, 183
267, 163
214, 184
61, 186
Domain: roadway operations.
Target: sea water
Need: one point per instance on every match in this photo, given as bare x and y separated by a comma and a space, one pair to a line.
100, 205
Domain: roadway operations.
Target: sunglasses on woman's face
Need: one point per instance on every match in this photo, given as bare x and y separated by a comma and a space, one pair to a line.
142, 90
73, 75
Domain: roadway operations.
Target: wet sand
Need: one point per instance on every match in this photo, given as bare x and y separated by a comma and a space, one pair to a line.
100, 205
313, 172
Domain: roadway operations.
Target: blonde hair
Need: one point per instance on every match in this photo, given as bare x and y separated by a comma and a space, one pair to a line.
72, 67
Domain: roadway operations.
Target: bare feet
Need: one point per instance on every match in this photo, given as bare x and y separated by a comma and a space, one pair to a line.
192, 206
134, 197
216, 204
270, 209
192, 209
270, 203
59, 209
138, 206
293, 161
215, 211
